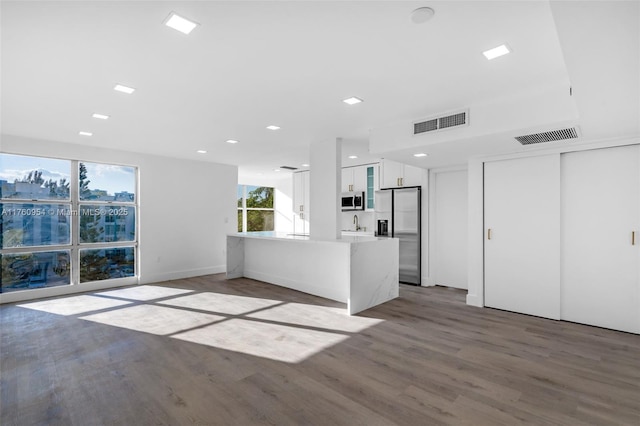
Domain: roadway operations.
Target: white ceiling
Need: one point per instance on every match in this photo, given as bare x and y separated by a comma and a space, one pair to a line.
290, 63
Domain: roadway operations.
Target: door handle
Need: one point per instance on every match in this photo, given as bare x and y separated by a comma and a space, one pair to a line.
489, 234
633, 238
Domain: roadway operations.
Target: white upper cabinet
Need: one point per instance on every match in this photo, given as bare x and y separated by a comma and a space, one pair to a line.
412, 176
354, 179
394, 174
347, 179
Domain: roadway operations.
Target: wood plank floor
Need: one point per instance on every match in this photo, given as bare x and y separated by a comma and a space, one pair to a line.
207, 351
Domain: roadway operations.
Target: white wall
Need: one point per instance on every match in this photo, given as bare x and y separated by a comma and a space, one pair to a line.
186, 207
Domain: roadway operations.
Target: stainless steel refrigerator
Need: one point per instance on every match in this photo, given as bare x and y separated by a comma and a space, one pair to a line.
397, 215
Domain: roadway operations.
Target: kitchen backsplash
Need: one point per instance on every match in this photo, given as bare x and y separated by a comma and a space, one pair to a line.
365, 219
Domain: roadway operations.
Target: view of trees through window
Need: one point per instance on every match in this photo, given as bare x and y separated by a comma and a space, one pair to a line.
255, 208
45, 201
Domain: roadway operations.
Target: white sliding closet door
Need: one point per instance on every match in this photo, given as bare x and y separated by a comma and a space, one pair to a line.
600, 210
522, 254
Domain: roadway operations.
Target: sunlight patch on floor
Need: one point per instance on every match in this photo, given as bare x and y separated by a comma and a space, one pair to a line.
74, 305
229, 304
273, 329
273, 341
316, 316
153, 319
145, 292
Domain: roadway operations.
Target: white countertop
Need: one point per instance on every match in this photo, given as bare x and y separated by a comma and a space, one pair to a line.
272, 235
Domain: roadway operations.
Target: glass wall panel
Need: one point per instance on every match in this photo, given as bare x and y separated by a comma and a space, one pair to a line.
106, 182
259, 197
258, 207
22, 271
106, 263
107, 223
239, 195
32, 225
39, 216
260, 220
34, 178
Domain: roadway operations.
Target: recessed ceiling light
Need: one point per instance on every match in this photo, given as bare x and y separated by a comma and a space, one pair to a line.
352, 100
272, 127
305, 165
179, 23
422, 154
276, 170
231, 141
85, 133
496, 52
422, 15
100, 116
353, 157
201, 151
124, 89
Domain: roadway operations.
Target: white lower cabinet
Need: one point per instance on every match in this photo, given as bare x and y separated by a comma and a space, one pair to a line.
600, 255
561, 236
522, 235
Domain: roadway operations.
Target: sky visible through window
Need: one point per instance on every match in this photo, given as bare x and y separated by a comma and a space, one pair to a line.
14, 167
111, 178
106, 177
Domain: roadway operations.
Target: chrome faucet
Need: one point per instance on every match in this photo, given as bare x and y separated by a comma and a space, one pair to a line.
355, 220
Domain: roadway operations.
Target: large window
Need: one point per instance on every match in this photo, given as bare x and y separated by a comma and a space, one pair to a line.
65, 222
255, 208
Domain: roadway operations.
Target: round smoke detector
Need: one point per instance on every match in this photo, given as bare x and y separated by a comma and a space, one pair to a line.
422, 15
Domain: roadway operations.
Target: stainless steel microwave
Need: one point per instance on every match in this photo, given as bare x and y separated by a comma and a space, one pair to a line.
352, 201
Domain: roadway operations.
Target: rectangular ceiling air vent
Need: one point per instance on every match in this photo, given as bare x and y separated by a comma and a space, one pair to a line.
425, 126
288, 168
459, 118
551, 136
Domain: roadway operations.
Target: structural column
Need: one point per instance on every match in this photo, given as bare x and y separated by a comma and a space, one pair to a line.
324, 189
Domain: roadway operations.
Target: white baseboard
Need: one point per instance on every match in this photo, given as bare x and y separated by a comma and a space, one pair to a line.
41, 293
149, 278
427, 282
475, 300
63, 290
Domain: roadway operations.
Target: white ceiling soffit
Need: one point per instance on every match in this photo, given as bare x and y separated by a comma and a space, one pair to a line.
535, 107
600, 42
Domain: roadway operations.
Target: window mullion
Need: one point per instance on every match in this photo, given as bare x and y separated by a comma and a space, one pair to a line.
74, 193
244, 208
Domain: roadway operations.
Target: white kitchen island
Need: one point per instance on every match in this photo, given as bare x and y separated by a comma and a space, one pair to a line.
361, 271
